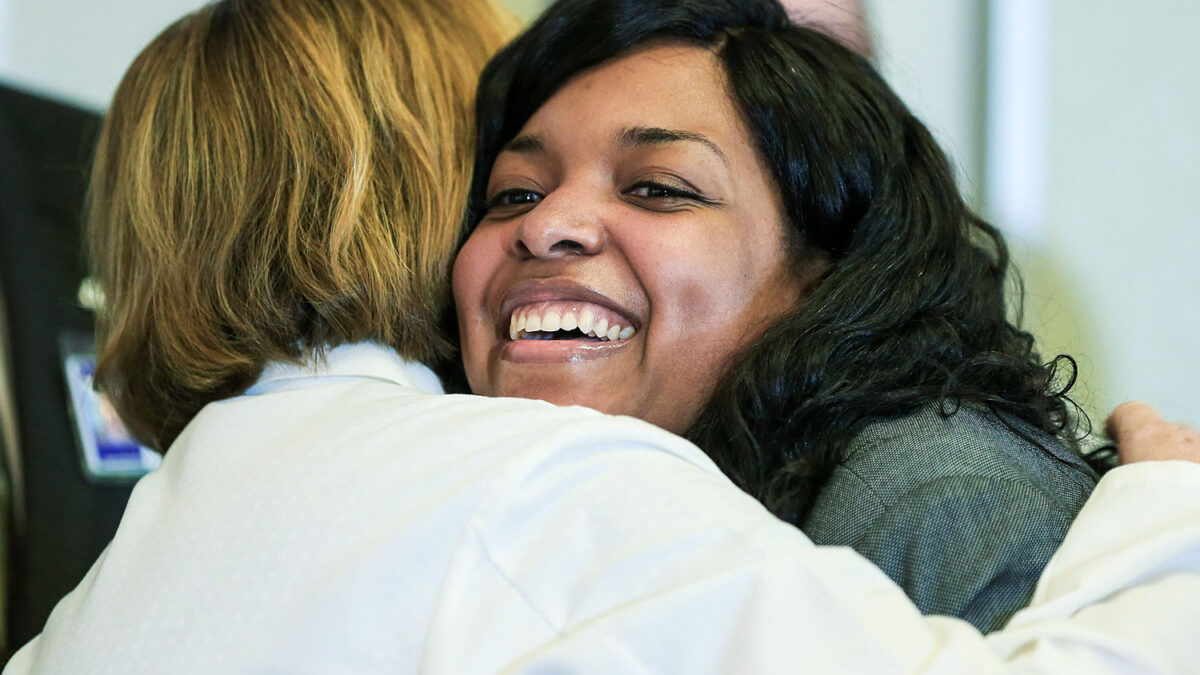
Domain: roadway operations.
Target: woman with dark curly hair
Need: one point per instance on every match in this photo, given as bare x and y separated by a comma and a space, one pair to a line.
697, 213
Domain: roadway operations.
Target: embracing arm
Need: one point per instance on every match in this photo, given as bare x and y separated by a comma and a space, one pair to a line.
620, 557
1123, 589
1121, 593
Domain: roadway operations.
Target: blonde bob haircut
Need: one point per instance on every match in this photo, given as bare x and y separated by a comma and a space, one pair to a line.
274, 178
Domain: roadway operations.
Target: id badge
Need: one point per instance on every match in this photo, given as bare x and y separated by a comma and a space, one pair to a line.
107, 451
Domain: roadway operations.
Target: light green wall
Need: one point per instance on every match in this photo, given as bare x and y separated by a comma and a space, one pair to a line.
1111, 270
526, 9
1121, 257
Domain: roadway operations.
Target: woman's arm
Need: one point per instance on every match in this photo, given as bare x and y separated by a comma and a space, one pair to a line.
615, 557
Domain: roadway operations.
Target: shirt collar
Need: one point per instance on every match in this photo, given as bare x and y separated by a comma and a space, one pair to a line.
360, 361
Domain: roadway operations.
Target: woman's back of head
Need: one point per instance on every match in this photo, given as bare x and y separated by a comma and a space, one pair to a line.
276, 177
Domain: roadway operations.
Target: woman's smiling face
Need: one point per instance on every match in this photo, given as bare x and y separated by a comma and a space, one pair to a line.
632, 247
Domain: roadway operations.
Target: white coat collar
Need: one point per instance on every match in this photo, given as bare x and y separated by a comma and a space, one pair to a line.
363, 360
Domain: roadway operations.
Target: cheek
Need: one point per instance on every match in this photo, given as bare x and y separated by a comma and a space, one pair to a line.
714, 286
473, 268
699, 286
700, 320
716, 302
473, 271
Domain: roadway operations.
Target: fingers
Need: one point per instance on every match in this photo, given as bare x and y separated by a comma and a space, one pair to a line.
1128, 417
1143, 435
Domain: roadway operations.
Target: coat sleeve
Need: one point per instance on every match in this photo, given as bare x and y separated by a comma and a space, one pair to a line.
616, 558
967, 546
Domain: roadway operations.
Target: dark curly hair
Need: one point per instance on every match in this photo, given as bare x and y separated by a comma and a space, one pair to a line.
911, 310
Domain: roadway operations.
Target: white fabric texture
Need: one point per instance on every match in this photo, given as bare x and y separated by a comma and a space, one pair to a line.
348, 518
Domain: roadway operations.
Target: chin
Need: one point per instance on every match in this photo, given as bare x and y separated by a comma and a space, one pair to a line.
563, 396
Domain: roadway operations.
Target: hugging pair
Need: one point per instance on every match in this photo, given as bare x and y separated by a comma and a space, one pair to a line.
692, 213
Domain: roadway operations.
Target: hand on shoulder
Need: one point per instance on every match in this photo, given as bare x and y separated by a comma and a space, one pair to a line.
1143, 435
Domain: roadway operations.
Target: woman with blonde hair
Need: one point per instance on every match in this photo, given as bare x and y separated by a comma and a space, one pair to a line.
276, 197
275, 178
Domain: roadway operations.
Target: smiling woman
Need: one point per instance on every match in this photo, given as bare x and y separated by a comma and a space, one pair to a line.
799, 286
648, 245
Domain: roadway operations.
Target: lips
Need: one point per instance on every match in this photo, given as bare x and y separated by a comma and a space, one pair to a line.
550, 320
553, 299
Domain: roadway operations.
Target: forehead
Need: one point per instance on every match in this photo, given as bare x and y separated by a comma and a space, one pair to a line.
670, 85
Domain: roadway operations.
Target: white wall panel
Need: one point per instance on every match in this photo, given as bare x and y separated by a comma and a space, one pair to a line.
1122, 202
77, 50
933, 53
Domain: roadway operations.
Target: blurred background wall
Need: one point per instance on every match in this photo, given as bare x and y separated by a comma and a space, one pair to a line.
1075, 125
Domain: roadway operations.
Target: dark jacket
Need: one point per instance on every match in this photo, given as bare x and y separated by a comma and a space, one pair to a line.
45, 147
961, 512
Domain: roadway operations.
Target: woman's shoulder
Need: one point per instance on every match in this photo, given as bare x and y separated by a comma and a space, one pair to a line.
895, 458
962, 510
934, 443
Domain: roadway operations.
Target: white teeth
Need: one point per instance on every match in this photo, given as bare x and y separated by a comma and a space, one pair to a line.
530, 325
568, 321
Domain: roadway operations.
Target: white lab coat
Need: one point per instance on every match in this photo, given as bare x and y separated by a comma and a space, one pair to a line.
349, 519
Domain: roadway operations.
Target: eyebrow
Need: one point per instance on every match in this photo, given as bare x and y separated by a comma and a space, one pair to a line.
647, 136
525, 144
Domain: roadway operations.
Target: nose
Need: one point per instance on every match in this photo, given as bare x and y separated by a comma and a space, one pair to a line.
559, 227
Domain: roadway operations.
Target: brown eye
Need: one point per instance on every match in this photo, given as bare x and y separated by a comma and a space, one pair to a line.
663, 197
651, 190
515, 197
